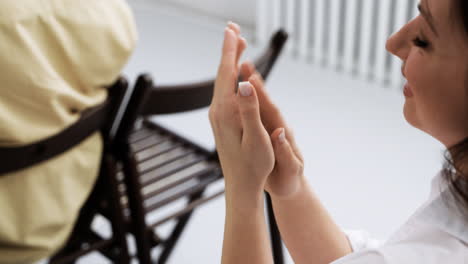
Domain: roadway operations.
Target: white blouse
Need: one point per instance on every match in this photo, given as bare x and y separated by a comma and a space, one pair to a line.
436, 233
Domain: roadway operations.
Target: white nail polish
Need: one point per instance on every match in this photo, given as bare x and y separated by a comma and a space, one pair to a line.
245, 89
282, 136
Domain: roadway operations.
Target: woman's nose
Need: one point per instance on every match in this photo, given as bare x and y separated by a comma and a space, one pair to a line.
398, 45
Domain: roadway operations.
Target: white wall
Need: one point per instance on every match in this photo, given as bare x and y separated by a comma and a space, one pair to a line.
240, 11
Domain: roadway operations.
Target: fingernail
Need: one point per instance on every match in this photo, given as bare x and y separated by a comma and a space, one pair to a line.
243, 39
245, 88
282, 136
234, 24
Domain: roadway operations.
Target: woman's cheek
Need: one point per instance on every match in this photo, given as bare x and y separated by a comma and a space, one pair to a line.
418, 107
414, 71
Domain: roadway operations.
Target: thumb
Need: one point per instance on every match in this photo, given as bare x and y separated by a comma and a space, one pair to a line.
249, 110
270, 113
284, 154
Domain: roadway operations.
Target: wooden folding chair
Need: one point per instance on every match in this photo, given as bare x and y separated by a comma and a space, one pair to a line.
161, 166
103, 199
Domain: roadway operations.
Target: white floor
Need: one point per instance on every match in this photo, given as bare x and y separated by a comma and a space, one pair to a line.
370, 168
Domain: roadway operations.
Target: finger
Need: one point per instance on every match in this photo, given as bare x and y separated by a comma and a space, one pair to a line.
286, 162
242, 42
230, 48
284, 153
242, 45
247, 69
249, 111
227, 71
235, 27
270, 114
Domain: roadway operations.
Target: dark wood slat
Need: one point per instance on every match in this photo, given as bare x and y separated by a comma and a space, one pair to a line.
177, 137
139, 134
166, 150
180, 181
171, 160
142, 146
169, 173
191, 190
187, 209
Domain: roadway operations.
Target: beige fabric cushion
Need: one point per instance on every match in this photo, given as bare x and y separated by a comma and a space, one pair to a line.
56, 58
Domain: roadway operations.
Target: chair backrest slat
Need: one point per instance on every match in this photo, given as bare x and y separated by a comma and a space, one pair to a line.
98, 118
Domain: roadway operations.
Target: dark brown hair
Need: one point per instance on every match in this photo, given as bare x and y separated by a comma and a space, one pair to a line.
455, 170
463, 4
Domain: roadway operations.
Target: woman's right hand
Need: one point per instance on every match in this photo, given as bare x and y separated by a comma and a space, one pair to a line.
287, 177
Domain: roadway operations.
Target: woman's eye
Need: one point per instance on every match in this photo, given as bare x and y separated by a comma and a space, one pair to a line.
420, 43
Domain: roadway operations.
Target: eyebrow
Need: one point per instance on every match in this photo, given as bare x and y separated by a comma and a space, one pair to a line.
429, 18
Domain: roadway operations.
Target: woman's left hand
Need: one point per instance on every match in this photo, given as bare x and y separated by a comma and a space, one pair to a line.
244, 146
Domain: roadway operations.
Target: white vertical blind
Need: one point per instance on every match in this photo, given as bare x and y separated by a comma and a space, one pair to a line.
344, 35
304, 28
363, 65
318, 31
350, 32
290, 24
334, 31
276, 13
382, 35
261, 22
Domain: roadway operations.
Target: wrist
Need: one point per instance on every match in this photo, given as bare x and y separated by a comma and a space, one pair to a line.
243, 199
242, 187
300, 188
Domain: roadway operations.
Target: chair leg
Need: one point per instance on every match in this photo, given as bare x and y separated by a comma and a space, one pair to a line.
143, 245
177, 232
120, 249
138, 225
276, 243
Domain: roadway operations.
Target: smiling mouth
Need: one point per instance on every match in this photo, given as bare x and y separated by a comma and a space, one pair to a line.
407, 90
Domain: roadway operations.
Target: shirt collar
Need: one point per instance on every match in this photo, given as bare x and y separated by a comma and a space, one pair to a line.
443, 212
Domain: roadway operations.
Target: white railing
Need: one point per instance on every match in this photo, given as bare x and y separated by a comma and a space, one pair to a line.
344, 35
